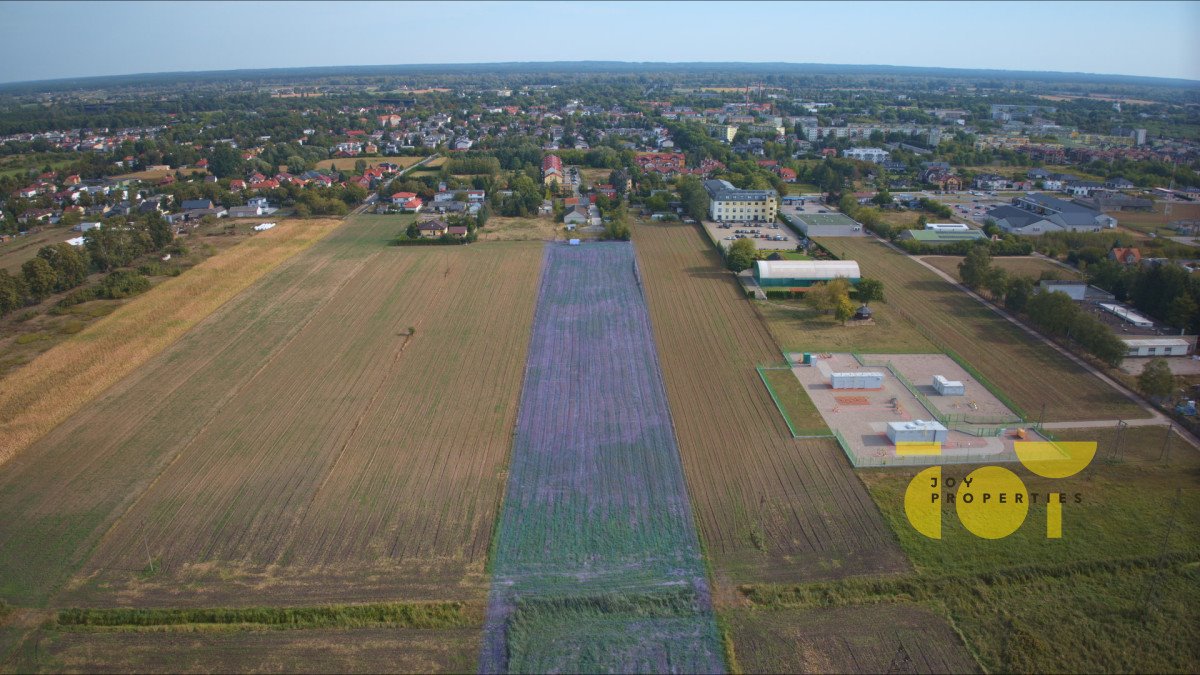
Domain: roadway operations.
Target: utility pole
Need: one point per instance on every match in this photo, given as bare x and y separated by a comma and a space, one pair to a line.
1164, 456
1156, 580
146, 545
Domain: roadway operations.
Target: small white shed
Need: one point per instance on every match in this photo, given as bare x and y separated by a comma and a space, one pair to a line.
917, 431
865, 379
948, 387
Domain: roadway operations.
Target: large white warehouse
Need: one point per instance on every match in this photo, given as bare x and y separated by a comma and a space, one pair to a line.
803, 273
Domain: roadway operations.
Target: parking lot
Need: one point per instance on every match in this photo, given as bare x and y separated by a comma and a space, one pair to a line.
766, 236
972, 205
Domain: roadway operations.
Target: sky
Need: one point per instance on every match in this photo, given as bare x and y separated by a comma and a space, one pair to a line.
48, 40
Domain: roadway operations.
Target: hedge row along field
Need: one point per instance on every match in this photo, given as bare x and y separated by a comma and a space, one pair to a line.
769, 507
336, 434
1025, 369
597, 566
49, 389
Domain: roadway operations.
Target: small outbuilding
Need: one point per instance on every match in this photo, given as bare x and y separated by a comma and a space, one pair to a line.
865, 379
948, 387
804, 273
917, 431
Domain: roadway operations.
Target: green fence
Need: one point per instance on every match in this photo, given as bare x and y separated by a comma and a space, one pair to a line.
796, 433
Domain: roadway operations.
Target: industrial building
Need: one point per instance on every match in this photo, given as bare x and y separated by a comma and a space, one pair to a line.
1034, 214
917, 431
803, 273
1148, 346
941, 236
946, 387
1127, 315
864, 379
1076, 290
729, 204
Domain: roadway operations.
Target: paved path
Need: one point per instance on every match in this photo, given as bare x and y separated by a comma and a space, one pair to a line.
1155, 417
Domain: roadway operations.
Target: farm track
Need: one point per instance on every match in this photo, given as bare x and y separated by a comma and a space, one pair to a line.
1021, 365
596, 504
769, 507
297, 445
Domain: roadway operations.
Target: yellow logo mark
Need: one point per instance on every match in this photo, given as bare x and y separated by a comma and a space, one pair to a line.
918, 448
992, 502
922, 502
1055, 460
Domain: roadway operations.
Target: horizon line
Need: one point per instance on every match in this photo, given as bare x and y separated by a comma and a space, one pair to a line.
959, 72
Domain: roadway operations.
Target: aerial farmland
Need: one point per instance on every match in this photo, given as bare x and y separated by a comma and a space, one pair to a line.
595, 367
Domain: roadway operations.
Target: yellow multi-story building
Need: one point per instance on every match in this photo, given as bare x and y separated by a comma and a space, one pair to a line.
729, 204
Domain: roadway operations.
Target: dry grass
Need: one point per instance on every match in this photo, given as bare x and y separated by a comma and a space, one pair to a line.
1023, 266
347, 163
499, 228
14, 252
159, 174
61, 381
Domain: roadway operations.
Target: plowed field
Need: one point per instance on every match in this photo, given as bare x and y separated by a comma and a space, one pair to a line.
769, 507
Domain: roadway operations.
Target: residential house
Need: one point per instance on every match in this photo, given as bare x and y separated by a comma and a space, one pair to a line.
552, 170
578, 215
237, 185
193, 204
1125, 256
1118, 184
873, 155
407, 201
432, 229
245, 211
1082, 188
989, 181
459, 231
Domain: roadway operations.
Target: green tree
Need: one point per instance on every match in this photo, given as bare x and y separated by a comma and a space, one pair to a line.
1156, 380
869, 290
1181, 311
12, 292
882, 198
974, 268
40, 278
844, 309
996, 282
70, 264
742, 255
1054, 312
1016, 297
225, 162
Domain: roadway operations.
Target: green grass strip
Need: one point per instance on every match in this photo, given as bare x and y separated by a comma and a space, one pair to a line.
936, 588
401, 615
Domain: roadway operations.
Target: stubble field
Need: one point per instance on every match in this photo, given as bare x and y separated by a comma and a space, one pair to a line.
337, 433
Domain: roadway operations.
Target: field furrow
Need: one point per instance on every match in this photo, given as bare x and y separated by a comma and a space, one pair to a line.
769, 507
